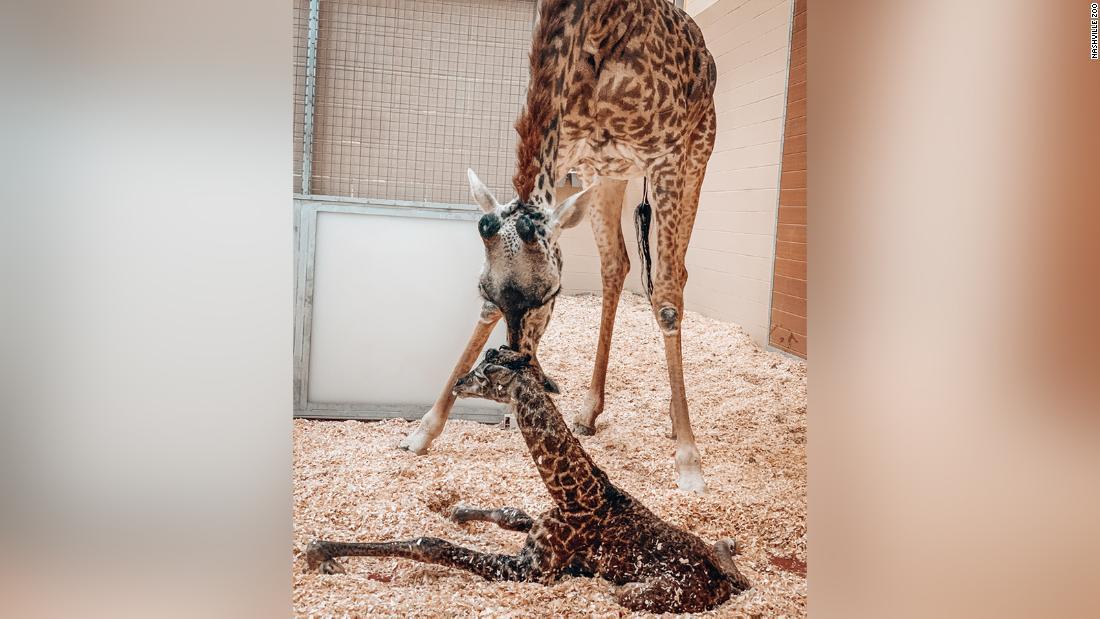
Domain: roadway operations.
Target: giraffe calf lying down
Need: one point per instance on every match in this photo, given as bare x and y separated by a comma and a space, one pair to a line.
595, 529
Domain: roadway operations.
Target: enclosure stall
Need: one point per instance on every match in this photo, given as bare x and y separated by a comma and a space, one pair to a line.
394, 100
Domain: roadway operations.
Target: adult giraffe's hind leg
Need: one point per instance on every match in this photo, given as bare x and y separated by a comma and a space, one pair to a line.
604, 212
431, 424
689, 465
676, 186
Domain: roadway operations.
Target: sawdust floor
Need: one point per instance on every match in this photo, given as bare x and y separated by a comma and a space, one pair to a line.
748, 409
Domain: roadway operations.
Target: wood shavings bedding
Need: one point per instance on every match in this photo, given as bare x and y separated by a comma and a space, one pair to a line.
748, 411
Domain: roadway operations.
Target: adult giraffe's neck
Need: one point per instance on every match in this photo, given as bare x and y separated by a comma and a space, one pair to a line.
573, 479
555, 48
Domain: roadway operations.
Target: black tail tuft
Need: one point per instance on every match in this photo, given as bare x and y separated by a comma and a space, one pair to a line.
643, 215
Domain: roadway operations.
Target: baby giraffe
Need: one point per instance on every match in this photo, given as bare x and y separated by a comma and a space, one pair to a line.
595, 529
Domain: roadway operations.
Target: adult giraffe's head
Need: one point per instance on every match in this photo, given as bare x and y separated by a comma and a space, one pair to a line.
522, 272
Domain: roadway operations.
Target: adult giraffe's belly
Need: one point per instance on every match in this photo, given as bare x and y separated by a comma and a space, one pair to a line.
608, 159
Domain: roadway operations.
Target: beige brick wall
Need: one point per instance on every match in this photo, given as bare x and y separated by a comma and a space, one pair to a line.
732, 247
694, 7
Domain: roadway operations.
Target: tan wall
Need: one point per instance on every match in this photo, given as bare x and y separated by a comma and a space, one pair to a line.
789, 300
729, 260
694, 7
732, 248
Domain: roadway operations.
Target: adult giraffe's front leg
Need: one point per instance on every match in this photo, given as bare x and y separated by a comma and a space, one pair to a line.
604, 213
431, 424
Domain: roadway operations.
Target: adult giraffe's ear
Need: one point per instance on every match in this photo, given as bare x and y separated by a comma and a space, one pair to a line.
481, 193
569, 213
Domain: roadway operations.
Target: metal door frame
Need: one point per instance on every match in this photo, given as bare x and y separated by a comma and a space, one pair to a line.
306, 211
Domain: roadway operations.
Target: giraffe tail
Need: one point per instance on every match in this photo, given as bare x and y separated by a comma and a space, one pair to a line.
643, 216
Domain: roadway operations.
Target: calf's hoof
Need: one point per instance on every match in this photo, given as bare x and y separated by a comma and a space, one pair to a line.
331, 566
317, 559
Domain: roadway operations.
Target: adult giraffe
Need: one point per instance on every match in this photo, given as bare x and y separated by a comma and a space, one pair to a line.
620, 89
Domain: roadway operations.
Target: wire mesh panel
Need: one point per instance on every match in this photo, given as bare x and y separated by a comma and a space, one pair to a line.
301, 27
411, 93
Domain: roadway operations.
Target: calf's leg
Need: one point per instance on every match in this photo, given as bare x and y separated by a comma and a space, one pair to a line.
508, 518
322, 555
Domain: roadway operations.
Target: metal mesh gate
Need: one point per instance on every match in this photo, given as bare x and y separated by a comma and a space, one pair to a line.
408, 95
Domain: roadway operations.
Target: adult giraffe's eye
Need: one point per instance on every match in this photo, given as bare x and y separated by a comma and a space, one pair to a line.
526, 229
488, 225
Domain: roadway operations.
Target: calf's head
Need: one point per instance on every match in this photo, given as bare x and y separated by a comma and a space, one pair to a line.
493, 378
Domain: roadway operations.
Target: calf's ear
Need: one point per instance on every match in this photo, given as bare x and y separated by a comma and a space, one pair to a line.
549, 384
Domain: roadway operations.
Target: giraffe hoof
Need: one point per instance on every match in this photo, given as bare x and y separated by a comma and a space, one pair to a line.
417, 442
692, 481
689, 485
317, 559
690, 469
582, 430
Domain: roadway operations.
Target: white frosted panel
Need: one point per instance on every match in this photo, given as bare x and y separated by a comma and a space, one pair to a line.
395, 300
